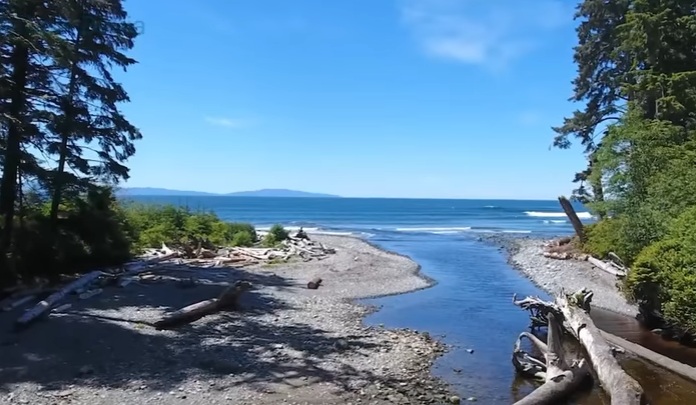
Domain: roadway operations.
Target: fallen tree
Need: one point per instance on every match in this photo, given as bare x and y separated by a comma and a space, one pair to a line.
562, 371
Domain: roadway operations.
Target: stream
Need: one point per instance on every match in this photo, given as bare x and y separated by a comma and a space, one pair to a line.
471, 309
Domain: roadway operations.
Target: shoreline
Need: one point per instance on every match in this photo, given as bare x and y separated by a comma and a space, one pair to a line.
287, 344
551, 275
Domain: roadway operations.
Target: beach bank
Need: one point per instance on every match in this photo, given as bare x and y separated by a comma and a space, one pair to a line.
287, 343
552, 275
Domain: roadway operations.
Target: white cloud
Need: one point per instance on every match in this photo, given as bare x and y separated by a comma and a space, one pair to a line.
483, 32
226, 122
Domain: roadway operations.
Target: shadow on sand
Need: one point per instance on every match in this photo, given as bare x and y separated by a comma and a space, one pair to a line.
107, 340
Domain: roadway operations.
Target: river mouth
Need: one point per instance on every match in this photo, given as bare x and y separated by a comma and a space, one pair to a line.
471, 309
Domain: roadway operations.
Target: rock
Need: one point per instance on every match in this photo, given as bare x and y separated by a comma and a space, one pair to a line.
341, 344
470, 350
471, 399
455, 400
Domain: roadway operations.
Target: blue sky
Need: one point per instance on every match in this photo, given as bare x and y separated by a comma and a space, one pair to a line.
361, 98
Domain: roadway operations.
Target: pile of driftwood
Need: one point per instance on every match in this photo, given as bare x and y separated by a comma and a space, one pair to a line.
562, 368
301, 248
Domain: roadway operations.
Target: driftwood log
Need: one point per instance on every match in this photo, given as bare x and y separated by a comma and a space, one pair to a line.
561, 374
572, 312
314, 284
608, 267
573, 217
56, 297
227, 300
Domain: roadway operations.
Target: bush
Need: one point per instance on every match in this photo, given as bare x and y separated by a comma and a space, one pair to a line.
664, 273
279, 233
269, 240
92, 232
167, 224
626, 235
242, 238
237, 227
604, 237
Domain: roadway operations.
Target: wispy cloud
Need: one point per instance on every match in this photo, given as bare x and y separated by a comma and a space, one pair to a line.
483, 32
227, 122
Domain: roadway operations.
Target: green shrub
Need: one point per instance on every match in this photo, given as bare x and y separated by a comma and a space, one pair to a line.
172, 225
604, 237
626, 235
242, 238
269, 240
663, 275
279, 233
236, 227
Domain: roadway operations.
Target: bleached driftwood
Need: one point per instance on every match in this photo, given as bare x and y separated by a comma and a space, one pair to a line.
574, 310
561, 375
607, 267
134, 268
558, 255
622, 388
54, 298
228, 299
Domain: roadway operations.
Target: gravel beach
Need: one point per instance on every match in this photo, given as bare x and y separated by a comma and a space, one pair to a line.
551, 275
287, 344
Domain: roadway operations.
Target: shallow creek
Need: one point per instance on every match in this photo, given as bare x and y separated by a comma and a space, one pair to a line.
471, 309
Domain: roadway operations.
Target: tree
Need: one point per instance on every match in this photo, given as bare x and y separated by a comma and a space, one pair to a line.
23, 79
601, 70
88, 38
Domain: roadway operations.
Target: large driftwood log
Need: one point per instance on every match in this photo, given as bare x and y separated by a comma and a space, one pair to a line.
573, 217
607, 267
56, 297
622, 388
562, 376
574, 310
227, 300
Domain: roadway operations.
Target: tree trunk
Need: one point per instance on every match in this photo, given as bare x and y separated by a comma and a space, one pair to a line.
622, 388
19, 60
573, 217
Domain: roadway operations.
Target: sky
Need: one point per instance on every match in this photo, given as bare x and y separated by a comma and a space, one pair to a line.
360, 98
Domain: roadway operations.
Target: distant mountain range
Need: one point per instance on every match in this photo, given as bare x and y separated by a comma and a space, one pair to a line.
153, 191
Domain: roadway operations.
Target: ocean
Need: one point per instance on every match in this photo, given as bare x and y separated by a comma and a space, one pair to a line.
470, 307
376, 217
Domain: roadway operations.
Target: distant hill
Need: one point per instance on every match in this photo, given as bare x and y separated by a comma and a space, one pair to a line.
268, 192
154, 191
